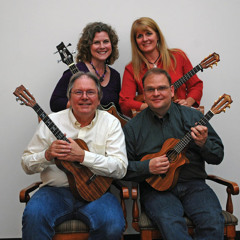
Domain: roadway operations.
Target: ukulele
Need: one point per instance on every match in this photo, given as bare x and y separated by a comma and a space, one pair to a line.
207, 62
83, 183
173, 148
67, 58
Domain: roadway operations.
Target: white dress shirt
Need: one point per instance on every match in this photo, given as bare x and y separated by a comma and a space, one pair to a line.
103, 136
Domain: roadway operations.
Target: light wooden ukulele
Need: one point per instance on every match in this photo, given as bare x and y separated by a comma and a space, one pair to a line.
82, 182
67, 58
205, 63
174, 149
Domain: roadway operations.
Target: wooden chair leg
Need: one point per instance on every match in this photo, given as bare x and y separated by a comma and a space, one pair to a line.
146, 235
191, 231
71, 236
230, 232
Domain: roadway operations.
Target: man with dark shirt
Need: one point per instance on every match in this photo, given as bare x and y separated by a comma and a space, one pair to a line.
145, 134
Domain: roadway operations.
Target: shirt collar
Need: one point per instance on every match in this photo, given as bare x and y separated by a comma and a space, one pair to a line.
165, 116
77, 124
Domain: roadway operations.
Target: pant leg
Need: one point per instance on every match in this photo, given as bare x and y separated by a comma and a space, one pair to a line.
104, 217
47, 207
166, 211
202, 206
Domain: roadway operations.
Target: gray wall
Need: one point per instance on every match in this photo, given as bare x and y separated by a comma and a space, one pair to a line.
30, 30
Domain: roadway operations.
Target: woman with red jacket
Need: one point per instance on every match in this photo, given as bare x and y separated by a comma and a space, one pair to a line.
149, 50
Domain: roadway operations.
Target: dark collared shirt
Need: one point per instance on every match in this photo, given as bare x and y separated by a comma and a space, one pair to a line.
146, 134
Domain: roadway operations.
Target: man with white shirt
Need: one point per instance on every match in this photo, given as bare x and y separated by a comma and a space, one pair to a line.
54, 203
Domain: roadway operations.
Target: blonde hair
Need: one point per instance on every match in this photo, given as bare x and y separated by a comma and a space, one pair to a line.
138, 57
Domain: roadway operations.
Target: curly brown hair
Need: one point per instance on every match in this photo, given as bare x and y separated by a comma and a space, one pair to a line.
85, 41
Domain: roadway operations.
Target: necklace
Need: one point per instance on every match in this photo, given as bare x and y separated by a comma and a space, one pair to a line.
154, 63
101, 78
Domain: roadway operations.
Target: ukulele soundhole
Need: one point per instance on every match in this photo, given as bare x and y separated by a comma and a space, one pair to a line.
172, 155
77, 165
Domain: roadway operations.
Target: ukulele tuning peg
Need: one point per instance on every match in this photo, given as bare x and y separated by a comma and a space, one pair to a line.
74, 51
58, 61
18, 99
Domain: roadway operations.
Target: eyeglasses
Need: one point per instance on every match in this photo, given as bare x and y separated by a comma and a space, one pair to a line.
159, 89
89, 93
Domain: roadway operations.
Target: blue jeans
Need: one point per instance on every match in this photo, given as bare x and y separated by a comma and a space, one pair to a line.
195, 199
50, 206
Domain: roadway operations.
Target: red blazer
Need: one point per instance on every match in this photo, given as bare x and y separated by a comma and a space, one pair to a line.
130, 86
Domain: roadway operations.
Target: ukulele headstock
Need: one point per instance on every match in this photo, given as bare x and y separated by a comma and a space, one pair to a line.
65, 55
221, 104
24, 96
207, 62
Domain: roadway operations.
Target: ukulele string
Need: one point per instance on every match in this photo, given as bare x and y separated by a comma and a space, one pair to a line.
187, 138
71, 65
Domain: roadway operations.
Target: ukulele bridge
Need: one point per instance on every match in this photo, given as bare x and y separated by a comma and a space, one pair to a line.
162, 175
89, 181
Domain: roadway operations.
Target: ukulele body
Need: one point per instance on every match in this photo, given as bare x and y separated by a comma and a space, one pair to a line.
83, 183
163, 182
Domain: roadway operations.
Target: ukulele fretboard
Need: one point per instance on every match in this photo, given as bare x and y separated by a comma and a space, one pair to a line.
187, 76
50, 124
